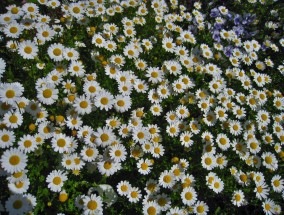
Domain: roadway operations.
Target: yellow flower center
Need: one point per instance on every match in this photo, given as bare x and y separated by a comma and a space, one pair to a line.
92, 89
31, 9
28, 143
167, 178
83, 104
13, 30
104, 101
47, 93
124, 188
45, 34
117, 153
237, 197
61, 142
28, 49
57, 51
144, 166
17, 204
208, 161
120, 103
56, 180
13, 119
104, 137
188, 196
14, 160
107, 165
89, 152
76, 10
5, 138
268, 160
10, 94
140, 135
223, 141
200, 209
151, 210
92, 205
134, 194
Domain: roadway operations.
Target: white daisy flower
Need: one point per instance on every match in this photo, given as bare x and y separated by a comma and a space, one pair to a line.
217, 185
269, 160
55, 180
223, 142
200, 208
123, 188
28, 49
104, 100
61, 143
144, 166
55, 52
156, 109
108, 167
167, 179
76, 10
261, 190
71, 54
151, 208
268, 206
13, 119
18, 204
13, 29
117, 60
104, 136
76, 68
141, 134
186, 139
208, 161
154, 74
168, 44
134, 195
7, 138
19, 187
188, 196
11, 92
45, 33
152, 186
47, 94
13, 160
92, 204
157, 150
130, 51
277, 183
122, 103
187, 36
238, 198
235, 127
173, 129
118, 152
83, 105
27, 143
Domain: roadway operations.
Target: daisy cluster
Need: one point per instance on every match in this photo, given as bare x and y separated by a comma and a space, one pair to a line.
171, 107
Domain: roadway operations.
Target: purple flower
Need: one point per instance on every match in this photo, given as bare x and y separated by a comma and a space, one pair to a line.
228, 50
237, 19
248, 18
229, 16
218, 26
263, 47
216, 36
239, 30
214, 13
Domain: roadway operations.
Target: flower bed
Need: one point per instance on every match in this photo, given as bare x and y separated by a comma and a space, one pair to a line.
141, 107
